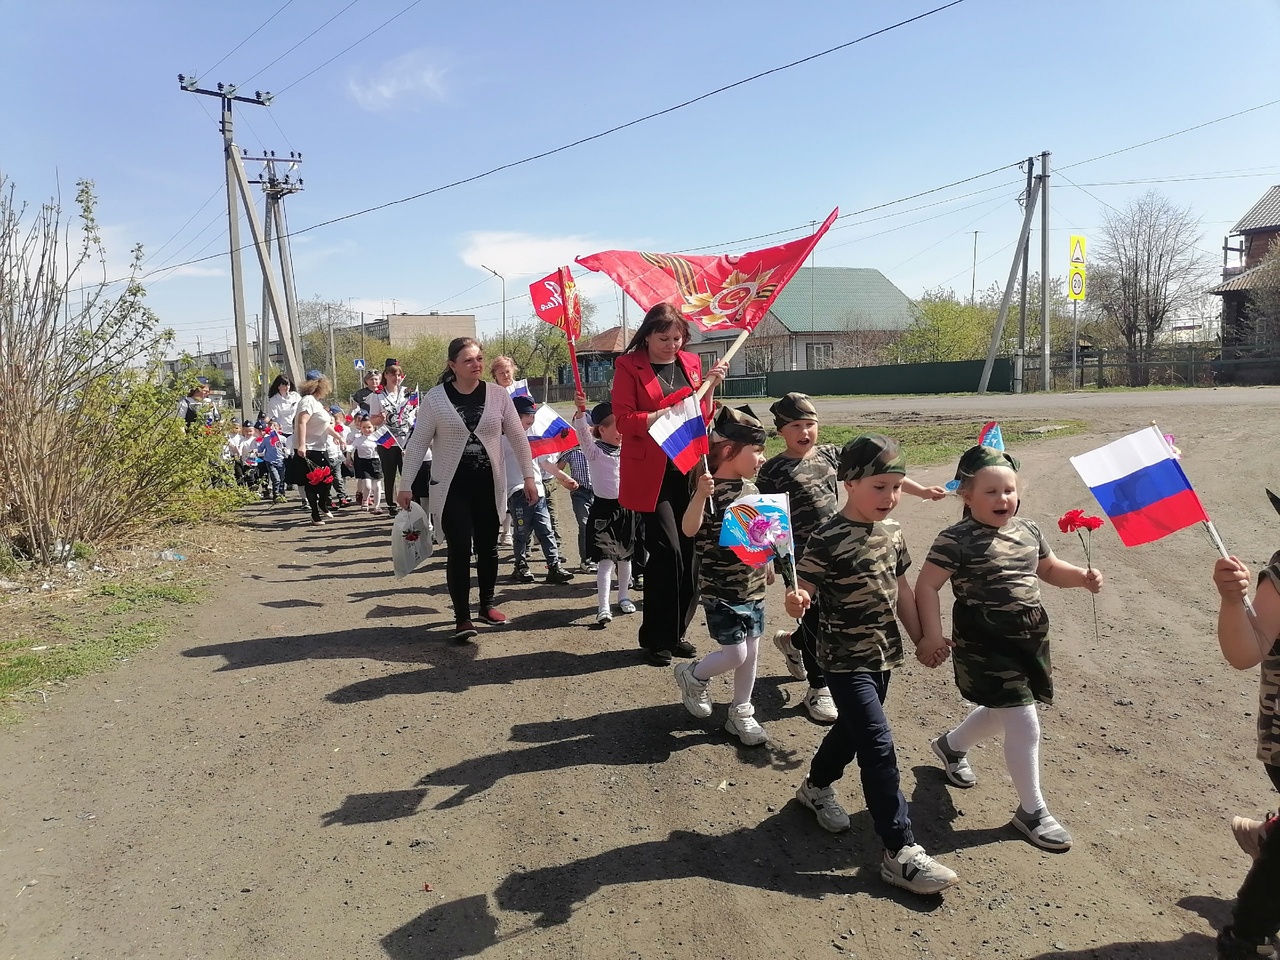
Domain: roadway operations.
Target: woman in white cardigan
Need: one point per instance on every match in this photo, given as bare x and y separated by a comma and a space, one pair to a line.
463, 420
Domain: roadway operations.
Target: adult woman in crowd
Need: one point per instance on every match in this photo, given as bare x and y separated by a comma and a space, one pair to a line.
503, 370
389, 408
282, 405
652, 371
313, 429
371, 379
463, 419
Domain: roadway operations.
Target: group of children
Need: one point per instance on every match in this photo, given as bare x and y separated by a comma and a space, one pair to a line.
853, 602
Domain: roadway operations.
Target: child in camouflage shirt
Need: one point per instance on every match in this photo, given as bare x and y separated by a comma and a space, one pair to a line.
855, 566
1255, 918
732, 592
806, 472
1000, 631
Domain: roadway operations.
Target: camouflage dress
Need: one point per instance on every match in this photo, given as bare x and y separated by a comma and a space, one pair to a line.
855, 568
998, 625
1269, 688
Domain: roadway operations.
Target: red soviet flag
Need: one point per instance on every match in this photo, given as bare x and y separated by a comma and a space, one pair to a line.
714, 293
555, 298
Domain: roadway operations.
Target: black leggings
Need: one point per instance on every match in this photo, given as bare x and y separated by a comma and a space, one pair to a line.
1257, 911
671, 568
392, 463
318, 498
470, 520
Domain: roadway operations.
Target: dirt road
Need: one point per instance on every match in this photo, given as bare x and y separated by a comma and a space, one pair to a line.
309, 770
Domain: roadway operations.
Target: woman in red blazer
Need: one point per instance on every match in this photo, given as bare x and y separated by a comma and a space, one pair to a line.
650, 376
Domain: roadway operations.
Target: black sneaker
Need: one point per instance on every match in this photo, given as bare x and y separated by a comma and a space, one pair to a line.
637, 581
1041, 829
684, 649
659, 658
463, 631
1232, 948
524, 574
557, 574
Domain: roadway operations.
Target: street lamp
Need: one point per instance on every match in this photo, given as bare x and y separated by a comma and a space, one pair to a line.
504, 304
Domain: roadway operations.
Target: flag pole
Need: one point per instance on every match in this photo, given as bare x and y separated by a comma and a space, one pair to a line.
728, 355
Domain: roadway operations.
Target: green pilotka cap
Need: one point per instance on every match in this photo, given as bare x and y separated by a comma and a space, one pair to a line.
975, 458
869, 455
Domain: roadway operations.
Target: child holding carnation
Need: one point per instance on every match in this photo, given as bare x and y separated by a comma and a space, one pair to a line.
995, 561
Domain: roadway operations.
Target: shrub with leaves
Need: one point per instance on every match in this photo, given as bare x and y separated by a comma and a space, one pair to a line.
89, 438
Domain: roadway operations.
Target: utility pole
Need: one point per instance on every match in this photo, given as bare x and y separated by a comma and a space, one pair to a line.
226, 93
973, 275
275, 188
264, 327
362, 353
1046, 375
1008, 287
1020, 352
333, 356
624, 321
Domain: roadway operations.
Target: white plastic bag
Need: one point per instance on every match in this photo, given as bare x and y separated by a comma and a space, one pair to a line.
410, 540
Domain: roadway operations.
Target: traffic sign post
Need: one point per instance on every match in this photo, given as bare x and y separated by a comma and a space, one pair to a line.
1077, 287
359, 364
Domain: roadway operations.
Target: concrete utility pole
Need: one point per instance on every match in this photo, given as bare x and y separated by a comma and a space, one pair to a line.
1020, 354
1008, 287
1046, 374
226, 93
504, 304
276, 188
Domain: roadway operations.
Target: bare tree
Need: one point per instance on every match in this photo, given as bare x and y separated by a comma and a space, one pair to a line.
1146, 269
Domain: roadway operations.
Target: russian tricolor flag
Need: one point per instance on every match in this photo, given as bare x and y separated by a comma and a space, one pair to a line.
385, 438
550, 433
682, 433
520, 388
1140, 485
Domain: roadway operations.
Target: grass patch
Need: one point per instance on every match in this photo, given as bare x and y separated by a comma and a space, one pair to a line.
22, 668
132, 595
938, 441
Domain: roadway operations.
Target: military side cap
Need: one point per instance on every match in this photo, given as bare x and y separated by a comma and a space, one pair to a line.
740, 426
794, 406
975, 458
601, 412
869, 455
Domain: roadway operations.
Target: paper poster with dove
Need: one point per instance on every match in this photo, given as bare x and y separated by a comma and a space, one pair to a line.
757, 528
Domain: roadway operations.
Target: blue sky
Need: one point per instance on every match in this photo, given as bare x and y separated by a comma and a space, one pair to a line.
451, 90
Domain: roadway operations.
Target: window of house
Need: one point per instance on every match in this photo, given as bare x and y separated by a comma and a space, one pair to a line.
759, 360
709, 360
820, 356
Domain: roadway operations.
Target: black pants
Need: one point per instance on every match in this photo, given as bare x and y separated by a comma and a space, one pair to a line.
805, 639
671, 568
1256, 915
863, 732
470, 519
318, 494
392, 464
422, 485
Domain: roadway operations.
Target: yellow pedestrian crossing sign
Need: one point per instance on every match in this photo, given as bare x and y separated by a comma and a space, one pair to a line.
1077, 249
1076, 275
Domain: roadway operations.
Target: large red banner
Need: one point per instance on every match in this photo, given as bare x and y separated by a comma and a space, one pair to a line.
555, 299
714, 293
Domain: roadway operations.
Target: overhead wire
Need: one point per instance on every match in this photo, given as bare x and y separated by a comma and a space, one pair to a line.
301, 42
155, 253
249, 37
352, 45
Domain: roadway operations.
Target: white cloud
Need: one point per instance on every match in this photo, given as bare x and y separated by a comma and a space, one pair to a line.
410, 78
524, 257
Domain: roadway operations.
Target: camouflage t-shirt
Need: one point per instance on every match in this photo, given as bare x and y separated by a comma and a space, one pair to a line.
1269, 687
855, 568
811, 485
721, 574
992, 567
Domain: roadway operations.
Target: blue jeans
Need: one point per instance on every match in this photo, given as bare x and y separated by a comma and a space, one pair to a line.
531, 518
276, 472
863, 732
581, 499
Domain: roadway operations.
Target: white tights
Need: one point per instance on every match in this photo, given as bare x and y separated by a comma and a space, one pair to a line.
604, 573
369, 491
738, 657
1021, 728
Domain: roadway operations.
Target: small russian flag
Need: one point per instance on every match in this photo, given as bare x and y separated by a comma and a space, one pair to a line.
272, 438
520, 389
1140, 485
412, 399
682, 433
550, 433
385, 439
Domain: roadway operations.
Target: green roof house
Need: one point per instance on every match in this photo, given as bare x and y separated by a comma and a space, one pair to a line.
825, 317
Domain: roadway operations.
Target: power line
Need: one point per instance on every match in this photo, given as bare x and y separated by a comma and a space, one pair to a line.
1167, 136
1084, 191
353, 45
249, 37
302, 41
155, 253
962, 229
639, 120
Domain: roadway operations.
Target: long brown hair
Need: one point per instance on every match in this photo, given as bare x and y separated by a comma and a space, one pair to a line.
662, 317
456, 346
722, 451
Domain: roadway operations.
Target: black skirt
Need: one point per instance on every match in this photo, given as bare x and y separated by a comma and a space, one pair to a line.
368, 468
611, 531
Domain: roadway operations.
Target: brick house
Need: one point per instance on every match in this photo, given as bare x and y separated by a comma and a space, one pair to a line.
1255, 231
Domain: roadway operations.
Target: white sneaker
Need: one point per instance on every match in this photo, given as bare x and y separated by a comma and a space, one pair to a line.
820, 705
914, 870
626, 606
603, 616
795, 662
693, 692
742, 724
823, 802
